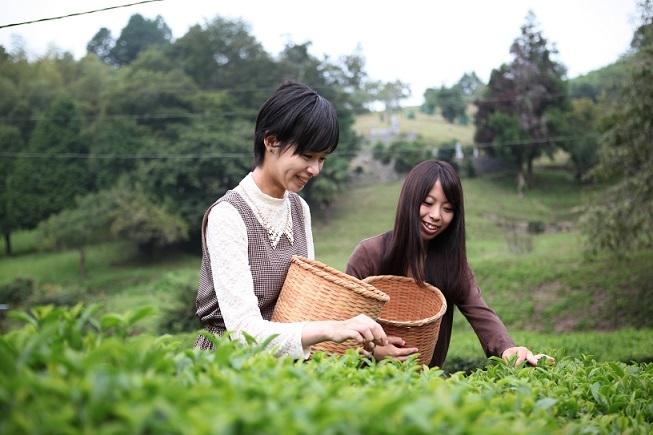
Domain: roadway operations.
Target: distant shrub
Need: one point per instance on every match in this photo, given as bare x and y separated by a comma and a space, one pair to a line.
405, 153
179, 315
17, 291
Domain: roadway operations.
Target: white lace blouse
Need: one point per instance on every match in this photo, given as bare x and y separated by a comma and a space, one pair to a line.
226, 239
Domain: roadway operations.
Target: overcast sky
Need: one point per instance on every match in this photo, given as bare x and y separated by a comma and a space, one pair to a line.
424, 43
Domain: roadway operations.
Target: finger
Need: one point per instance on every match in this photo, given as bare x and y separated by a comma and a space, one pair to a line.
396, 341
405, 357
379, 335
405, 351
366, 333
356, 336
531, 359
548, 358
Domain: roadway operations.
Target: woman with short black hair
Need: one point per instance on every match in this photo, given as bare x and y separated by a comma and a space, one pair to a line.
250, 234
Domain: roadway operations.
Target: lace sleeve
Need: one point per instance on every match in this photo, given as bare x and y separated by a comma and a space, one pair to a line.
310, 246
226, 238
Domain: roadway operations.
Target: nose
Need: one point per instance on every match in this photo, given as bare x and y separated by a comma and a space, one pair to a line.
434, 213
314, 167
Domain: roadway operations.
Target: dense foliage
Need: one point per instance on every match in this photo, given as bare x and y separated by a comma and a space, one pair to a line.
66, 371
175, 118
453, 101
621, 217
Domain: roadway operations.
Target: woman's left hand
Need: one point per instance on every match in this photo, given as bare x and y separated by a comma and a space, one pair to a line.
524, 354
394, 349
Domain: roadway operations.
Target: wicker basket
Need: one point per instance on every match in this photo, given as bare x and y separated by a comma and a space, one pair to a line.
413, 313
315, 291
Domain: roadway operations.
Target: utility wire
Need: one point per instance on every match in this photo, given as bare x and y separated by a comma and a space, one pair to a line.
233, 155
78, 13
142, 116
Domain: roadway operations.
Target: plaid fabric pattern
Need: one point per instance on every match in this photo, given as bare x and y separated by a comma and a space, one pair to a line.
268, 265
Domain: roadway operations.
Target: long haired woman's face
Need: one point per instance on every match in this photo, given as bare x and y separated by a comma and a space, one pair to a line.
435, 212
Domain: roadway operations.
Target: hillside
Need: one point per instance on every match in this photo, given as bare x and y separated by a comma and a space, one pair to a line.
433, 128
522, 249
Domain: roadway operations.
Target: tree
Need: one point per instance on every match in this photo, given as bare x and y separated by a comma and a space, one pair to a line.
470, 85
189, 185
160, 101
451, 102
101, 45
138, 35
621, 217
350, 75
404, 152
224, 55
10, 141
56, 172
79, 227
579, 125
391, 94
526, 90
139, 218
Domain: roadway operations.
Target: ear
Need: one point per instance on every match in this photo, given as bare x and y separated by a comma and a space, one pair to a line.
270, 141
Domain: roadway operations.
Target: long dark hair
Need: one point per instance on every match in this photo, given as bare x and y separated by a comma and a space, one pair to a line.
443, 261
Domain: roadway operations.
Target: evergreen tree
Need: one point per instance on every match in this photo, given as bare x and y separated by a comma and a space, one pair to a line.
523, 92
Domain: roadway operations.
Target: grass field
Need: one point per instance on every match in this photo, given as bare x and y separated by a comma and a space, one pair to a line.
433, 128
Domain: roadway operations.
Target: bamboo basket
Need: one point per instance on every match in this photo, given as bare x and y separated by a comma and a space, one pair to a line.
315, 291
413, 312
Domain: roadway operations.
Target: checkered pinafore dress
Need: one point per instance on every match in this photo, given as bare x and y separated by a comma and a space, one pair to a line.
268, 265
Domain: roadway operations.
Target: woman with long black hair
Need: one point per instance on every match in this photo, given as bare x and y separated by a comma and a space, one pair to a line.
427, 243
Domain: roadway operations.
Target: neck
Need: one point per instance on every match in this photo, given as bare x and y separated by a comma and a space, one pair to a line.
265, 182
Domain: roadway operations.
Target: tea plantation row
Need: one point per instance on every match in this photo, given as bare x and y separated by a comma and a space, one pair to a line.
65, 371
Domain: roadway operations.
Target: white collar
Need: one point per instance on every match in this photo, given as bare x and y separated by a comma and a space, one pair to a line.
272, 213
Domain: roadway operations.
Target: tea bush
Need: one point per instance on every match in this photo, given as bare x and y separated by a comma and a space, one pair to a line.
68, 371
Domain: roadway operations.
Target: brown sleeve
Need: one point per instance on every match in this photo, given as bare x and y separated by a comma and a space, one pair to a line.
365, 260
490, 330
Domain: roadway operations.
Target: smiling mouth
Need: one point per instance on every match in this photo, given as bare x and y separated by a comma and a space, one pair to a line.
430, 228
302, 180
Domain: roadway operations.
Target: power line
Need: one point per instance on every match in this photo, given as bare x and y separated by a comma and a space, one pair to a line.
233, 155
142, 116
78, 13
41, 155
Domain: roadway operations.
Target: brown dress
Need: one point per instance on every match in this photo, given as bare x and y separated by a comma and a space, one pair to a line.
366, 261
268, 265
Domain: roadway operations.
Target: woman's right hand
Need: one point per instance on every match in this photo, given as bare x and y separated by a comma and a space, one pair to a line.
362, 329
394, 349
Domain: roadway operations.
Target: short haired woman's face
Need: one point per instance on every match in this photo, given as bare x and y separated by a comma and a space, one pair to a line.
435, 212
292, 171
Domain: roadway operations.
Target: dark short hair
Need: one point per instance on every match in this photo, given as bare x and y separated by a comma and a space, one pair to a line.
296, 115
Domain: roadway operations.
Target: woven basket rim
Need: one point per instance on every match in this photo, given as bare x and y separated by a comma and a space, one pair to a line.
413, 323
340, 278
